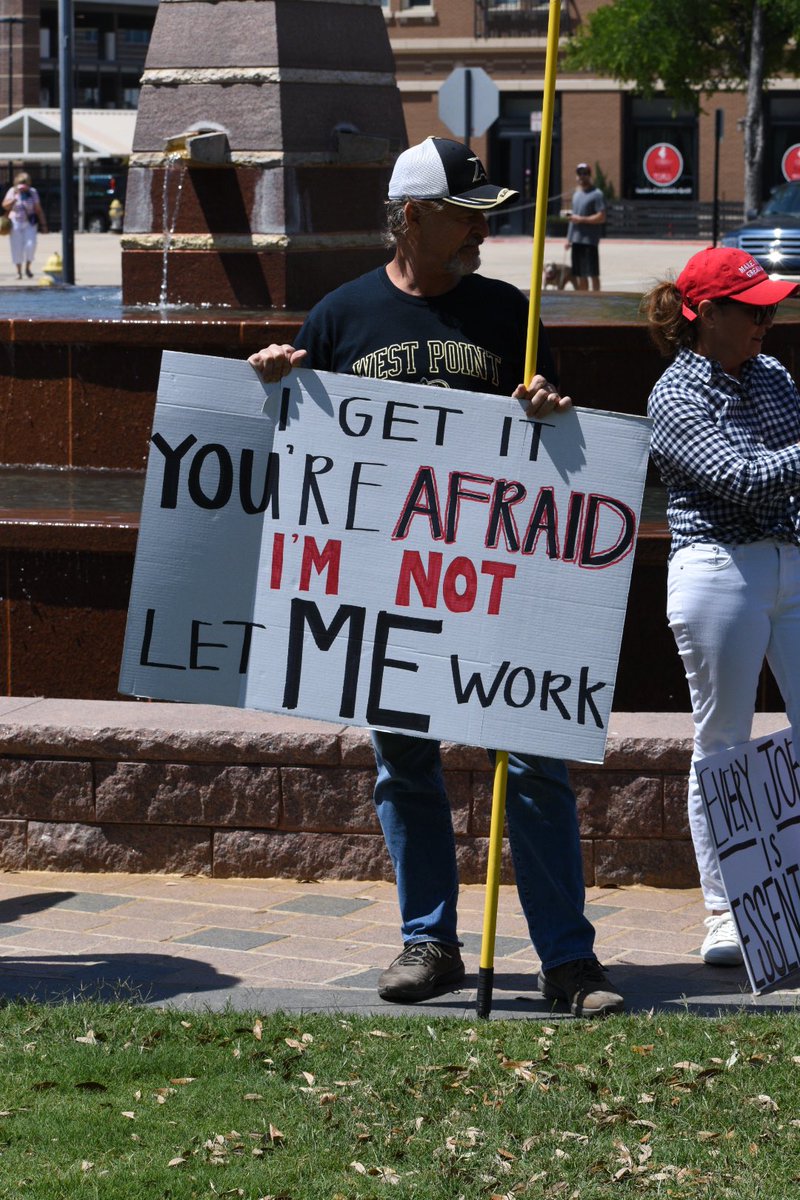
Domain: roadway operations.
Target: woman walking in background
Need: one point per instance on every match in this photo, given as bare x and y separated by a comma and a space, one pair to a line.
23, 207
726, 440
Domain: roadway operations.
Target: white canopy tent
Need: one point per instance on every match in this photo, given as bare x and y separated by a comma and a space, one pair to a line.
32, 135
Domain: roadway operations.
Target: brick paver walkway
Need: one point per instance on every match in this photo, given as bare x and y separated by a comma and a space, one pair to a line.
319, 945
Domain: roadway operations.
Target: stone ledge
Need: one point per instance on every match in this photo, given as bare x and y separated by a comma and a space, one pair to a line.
92, 785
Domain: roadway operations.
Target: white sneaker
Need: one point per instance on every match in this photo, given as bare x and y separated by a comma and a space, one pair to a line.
721, 946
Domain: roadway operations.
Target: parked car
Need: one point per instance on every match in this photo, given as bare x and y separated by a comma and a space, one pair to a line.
99, 191
772, 235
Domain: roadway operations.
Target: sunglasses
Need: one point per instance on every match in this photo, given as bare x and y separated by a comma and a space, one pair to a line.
758, 313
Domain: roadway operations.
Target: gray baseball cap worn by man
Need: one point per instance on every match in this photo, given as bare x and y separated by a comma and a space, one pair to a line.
438, 169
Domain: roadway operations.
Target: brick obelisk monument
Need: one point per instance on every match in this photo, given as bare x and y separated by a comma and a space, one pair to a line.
264, 142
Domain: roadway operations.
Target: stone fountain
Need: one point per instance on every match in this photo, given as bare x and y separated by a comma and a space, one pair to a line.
260, 163
256, 184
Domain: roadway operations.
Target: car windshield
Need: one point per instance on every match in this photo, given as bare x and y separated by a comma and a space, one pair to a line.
786, 199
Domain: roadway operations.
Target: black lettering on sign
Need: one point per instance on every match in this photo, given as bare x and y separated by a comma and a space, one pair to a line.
519, 690
306, 615
376, 713
211, 473
768, 919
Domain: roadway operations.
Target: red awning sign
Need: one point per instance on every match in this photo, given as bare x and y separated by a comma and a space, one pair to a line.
663, 164
790, 163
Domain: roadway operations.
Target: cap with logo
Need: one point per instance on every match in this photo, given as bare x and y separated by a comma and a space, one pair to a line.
721, 273
438, 169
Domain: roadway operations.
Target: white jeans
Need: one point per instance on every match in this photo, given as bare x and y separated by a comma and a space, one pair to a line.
22, 240
729, 607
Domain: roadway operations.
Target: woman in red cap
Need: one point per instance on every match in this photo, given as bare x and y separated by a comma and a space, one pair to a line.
726, 440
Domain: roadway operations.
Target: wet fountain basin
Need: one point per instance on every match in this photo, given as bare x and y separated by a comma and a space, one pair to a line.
59, 508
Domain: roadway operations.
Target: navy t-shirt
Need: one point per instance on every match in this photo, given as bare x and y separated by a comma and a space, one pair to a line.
473, 338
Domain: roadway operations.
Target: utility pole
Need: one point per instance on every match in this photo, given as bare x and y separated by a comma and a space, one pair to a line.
65, 40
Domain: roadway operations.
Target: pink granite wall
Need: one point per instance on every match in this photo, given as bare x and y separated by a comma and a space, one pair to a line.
104, 786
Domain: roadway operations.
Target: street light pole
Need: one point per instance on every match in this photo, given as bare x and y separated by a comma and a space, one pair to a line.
65, 37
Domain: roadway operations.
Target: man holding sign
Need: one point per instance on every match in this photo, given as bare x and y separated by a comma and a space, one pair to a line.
427, 318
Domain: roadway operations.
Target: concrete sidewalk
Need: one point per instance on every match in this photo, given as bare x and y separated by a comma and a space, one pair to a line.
98, 260
319, 946
626, 265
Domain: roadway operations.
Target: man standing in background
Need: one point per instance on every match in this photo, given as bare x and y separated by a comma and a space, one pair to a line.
587, 216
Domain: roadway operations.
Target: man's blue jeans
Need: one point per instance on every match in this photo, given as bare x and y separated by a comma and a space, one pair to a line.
541, 812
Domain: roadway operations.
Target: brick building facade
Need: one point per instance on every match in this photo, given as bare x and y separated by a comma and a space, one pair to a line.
596, 119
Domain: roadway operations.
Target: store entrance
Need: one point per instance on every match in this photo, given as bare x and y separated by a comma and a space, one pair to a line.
514, 161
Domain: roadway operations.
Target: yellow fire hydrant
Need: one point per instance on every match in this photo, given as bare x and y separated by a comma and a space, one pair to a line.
115, 214
53, 270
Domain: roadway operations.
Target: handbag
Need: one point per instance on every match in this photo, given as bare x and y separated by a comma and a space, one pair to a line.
5, 225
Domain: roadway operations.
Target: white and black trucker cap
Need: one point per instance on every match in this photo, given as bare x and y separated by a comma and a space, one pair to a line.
438, 169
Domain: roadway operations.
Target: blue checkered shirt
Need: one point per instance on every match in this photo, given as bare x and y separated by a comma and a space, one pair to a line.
727, 450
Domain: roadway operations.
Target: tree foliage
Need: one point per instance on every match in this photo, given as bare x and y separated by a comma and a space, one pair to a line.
687, 47
684, 50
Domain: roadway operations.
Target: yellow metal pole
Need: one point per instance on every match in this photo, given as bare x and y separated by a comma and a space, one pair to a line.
486, 969
542, 186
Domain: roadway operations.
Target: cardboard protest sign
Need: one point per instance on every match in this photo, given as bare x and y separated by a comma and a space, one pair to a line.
384, 554
751, 795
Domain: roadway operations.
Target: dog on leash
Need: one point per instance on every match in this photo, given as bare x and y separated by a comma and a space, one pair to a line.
557, 275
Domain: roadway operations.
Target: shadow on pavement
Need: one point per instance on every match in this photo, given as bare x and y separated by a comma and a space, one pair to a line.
18, 907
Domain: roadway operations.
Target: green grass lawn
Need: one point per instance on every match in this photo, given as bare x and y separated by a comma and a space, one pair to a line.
125, 1103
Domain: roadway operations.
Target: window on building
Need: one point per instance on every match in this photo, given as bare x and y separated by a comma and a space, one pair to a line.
414, 10
87, 97
86, 42
660, 151
135, 37
782, 129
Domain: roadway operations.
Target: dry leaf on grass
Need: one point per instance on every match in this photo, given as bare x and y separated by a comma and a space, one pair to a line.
386, 1174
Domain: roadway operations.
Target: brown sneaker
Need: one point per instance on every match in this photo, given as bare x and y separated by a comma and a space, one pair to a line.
584, 986
422, 969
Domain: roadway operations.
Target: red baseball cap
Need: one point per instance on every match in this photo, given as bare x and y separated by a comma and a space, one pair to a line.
722, 272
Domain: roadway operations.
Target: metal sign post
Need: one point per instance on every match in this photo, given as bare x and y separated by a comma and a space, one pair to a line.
469, 102
65, 39
719, 129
